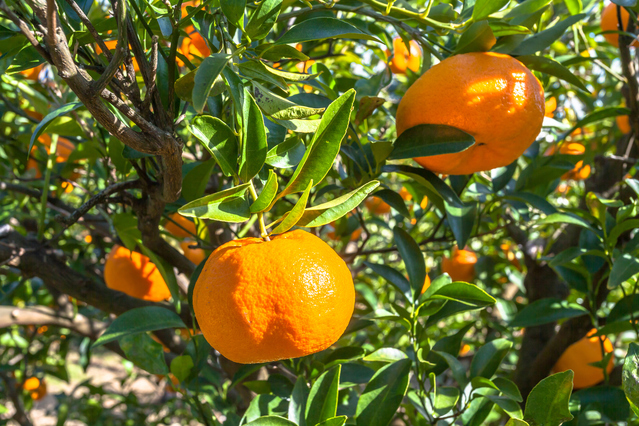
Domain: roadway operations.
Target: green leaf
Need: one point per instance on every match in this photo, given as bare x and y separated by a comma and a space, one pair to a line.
425, 140
297, 406
630, 377
287, 154
233, 10
185, 84
413, 259
551, 67
383, 394
263, 19
516, 422
330, 211
428, 179
254, 146
445, 399
323, 149
461, 221
195, 181
322, 399
334, 421
271, 421
299, 126
501, 29
256, 70
508, 388
144, 352
574, 6
547, 404
568, 218
40, 128
624, 267
394, 200
274, 52
205, 76
295, 214
527, 7
267, 195
478, 37
181, 367
140, 320
545, 38
468, 294
488, 358
281, 108
126, 226
485, 8
511, 407
395, 278
385, 355
321, 29
598, 115
166, 270
230, 205
219, 140
547, 310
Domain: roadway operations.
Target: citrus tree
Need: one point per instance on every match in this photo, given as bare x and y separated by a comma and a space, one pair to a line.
320, 213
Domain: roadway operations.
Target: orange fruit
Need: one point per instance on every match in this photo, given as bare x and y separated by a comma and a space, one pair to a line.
510, 255
426, 284
580, 172
406, 196
134, 274
403, 58
377, 206
550, 107
491, 96
354, 236
195, 255
610, 21
32, 73
193, 46
37, 388
34, 114
303, 68
185, 229
259, 301
623, 122
464, 350
580, 354
111, 45
63, 150
461, 265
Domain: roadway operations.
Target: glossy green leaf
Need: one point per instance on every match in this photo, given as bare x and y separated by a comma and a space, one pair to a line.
511, 407
334, 421
551, 67
230, 205
321, 29
126, 226
468, 294
395, 278
323, 149
461, 221
425, 140
383, 394
256, 70
144, 352
547, 310
330, 211
508, 388
181, 367
195, 181
185, 84
297, 406
263, 19
624, 267
413, 259
254, 146
140, 320
167, 272
322, 399
568, 218
385, 355
287, 154
300, 126
275, 52
488, 358
516, 422
295, 214
271, 421
598, 115
630, 377
478, 37
41, 127
219, 140
547, 404
207, 72
485, 8
233, 10
445, 400
429, 179
545, 38
281, 108
267, 195
574, 6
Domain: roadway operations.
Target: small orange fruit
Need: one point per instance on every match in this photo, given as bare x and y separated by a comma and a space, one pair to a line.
32, 73
623, 122
464, 350
403, 58
510, 255
195, 255
182, 227
377, 206
461, 265
406, 196
111, 45
579, 355
193, 46
610, 21
551, 106
303, 68
581, 171
64, 148
426, 284
37, 388
134, 274
491, 96
259, 301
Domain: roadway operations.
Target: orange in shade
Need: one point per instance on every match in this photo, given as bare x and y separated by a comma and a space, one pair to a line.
32, 73
63, 150
579, 355
461, 265
195, 255
111, 45
623, 122
37, 388
193, 45
610, 22
581, 171
377, 206
134, 274
185, 229
403, 58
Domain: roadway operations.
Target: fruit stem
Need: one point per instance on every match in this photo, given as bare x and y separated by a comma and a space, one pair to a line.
260, 215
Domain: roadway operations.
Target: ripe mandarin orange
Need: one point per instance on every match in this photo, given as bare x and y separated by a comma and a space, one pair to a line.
111, 45
134, 274
193, 45
185, 229
623, 122
461, 265
37, 388
581, 171
195, 255
63, 150
610, 21
491, 96
258, 301
377, 206
403, 58
550, 107
580, 354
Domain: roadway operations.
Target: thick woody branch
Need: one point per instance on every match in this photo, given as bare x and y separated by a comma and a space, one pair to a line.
629, 68
87, 23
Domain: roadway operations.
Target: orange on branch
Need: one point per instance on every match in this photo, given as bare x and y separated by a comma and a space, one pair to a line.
134, 274
610, 22
193, 46
491, 96
426, 284
37, 388
259, 301
403, 58
550, 107
111, 45
179, 226
195, 255
377, 206
623, 122
579, 355
581, 171
461, 265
